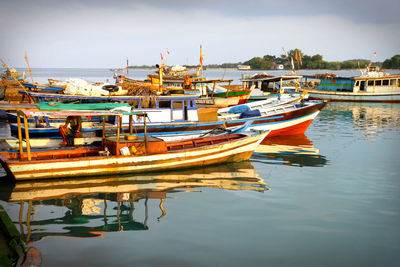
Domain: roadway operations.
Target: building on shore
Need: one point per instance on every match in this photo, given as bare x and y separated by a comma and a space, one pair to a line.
243, 67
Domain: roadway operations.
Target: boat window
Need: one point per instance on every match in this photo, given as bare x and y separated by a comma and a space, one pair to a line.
370, 83
357, 83
378, 82
177, 104
385, 82
164, 104
393, 82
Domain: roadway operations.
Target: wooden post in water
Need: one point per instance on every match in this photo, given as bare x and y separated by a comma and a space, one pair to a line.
28, 144
21, 147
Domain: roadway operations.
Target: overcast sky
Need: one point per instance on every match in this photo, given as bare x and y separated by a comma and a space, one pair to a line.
104, 33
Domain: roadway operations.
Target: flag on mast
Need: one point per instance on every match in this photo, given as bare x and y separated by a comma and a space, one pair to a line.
293, 70
284, 51
201, 56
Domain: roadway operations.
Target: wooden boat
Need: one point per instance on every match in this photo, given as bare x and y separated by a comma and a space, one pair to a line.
218, 96
265, 104
271, 86
287, 119
180, 118
138, 155
371, 86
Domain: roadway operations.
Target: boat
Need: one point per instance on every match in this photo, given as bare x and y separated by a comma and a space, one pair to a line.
218, 96
11, 74
178, 118
370, 86
118, 154
271, 86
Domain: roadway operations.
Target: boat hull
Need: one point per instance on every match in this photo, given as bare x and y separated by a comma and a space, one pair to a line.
353, 97
234, 151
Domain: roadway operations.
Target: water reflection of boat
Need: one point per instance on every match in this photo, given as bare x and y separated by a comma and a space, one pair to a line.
295, 150
89, 201
369, 113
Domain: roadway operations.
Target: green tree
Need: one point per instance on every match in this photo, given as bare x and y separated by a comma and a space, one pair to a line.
259, 63
392, 63
334, 65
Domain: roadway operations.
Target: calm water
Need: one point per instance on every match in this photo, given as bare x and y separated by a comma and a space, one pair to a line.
330, 197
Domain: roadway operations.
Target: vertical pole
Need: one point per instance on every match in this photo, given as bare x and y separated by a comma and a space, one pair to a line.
145, 132
118, 129
29, 67
214, 84
127, 67
130, 124
160, 70
280, 86
104, 128
28, 144
21, 147
201, 70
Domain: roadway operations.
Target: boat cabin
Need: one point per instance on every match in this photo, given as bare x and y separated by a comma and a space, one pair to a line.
269, 84
370, 82
377, 84
164, 109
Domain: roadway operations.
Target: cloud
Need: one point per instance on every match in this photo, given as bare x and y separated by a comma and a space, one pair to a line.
81, 34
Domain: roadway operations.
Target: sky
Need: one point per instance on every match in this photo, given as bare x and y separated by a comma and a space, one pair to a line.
103, 34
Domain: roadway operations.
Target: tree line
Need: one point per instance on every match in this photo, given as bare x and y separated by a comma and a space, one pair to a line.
303, 61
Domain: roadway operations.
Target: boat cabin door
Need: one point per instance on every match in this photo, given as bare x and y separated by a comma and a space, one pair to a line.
362, 86
177, 110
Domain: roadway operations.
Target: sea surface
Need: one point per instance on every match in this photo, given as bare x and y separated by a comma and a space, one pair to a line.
330, 197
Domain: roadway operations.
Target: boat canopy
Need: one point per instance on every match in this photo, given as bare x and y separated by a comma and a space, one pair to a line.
59, 113
79, 106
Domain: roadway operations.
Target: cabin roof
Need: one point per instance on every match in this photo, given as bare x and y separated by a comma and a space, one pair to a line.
326, 76
273, 79
391, 76
213, 80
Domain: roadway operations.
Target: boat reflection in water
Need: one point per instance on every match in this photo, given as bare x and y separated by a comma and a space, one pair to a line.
99, 205
294, 150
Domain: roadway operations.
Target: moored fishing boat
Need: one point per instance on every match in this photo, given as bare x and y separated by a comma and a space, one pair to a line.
183, 120
271, 86
124, 155
370, 86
